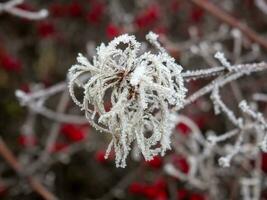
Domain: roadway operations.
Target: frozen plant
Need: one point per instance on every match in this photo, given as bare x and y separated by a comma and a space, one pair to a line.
144, 91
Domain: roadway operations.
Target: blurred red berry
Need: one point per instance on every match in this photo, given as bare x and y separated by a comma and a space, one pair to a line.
100, 156
182, 194
162, 195
27, 140
136, 188
196, 196
112, 31
73, 133
46, 29
183, 129
156, 191
24, 87
181, 163
148, 17
96, 12
156, 162
160, 184
75, 9
10, 63
196, 14
150, 192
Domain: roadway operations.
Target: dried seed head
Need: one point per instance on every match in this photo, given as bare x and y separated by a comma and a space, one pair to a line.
141, 90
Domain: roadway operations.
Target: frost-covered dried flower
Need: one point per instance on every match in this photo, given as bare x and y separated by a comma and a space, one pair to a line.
144, 91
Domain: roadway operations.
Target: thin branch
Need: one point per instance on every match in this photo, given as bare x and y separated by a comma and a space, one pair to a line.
6, 153
230, 20
10, 7
241, 70
260, 97
54, 131
35, 102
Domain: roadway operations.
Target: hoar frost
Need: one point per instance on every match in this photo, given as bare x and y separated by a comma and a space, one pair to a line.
143, 91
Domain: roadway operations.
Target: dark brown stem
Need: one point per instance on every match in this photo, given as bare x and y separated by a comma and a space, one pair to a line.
230, 20
6, 153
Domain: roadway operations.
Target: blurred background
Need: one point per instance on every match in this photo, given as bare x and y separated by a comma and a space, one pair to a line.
36, 54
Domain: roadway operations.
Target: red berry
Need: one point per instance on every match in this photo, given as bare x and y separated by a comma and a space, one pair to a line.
181, 163
182, 194
27, 140
46, 29
197, 14
183, 129
10, 63
160, 184
156, 191
150, 192
136, 188
75, 9
73, 132
112, 31
25, 87
100, 157
196, 196
148, 17
162, 195
156, 162
95, 14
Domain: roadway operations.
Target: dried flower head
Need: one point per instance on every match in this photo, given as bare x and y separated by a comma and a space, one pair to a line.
144, 92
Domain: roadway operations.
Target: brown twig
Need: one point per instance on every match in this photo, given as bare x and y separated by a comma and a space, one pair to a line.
230, 20
6, 153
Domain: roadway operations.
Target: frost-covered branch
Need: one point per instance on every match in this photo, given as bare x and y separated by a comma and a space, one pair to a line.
260, 97
35, 101
241, 70
11, 8
220, 106
259, 119
232, 21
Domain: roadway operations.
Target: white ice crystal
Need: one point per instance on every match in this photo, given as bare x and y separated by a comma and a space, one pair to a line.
220, 56
144, 91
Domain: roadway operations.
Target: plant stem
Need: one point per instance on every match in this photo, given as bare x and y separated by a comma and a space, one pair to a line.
232, 21
10, 158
